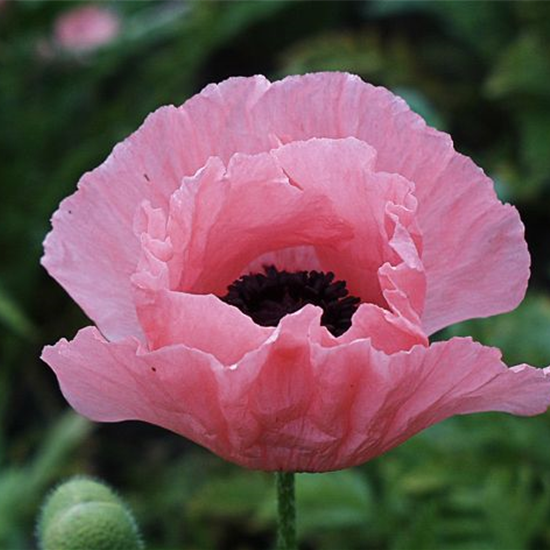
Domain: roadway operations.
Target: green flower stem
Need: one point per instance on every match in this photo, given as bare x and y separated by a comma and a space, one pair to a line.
286, 529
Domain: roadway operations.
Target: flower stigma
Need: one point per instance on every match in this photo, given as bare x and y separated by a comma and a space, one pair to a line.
268, 298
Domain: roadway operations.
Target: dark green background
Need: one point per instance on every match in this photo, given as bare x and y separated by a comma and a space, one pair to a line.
479, 70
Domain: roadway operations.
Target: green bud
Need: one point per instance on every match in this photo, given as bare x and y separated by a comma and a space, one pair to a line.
83, 514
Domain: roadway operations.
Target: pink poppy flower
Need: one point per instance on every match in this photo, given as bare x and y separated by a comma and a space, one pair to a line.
214, 250
86, 28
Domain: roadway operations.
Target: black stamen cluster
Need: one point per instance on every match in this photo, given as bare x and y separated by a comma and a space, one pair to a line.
268, 298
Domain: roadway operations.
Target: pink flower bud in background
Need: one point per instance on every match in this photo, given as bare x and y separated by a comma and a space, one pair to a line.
86, 28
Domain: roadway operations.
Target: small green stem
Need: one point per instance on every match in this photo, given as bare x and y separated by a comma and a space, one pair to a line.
286, 531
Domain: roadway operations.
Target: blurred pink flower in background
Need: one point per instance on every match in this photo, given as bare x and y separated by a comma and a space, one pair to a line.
86, 28
334, 185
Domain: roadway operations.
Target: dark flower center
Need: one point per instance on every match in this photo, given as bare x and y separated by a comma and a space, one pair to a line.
268, 298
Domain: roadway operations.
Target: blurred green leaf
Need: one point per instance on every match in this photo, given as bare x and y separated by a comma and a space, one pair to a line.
533, 15
419, 534
232, 496
517, 505
420, 104
356, 53
485, 27
14, 318
333, 500
534, 122
523, 335
61, 439
523, 68
22, 486
383, 8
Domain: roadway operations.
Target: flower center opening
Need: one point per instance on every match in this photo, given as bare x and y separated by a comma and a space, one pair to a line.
268, 298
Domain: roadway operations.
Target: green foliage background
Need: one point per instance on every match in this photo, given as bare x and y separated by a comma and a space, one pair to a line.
480, 70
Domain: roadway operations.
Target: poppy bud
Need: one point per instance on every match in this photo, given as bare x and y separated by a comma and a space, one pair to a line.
84, 514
